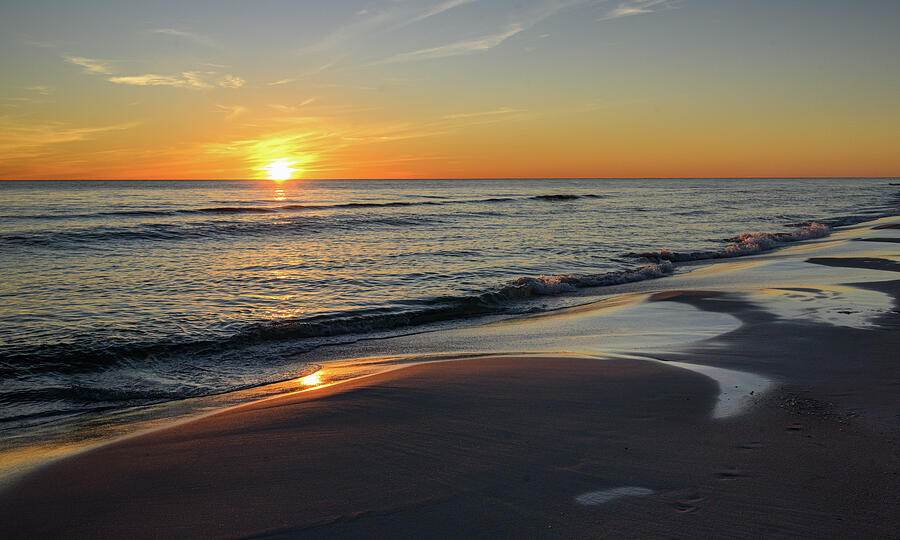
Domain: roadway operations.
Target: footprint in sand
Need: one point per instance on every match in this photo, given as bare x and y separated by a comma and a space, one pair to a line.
608, 495
731, 473
751, 445
688, 505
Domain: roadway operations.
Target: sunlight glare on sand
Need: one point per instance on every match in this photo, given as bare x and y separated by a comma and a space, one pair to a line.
313, 379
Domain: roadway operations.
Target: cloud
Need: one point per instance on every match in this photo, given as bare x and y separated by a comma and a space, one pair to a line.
484, 43
233, 110
437, 10
349, 32
90, 65
292, 108
41, 89
232, 81
308, 73
495, 112
459, 48
187, 79
19, 140
190, 36
634, 7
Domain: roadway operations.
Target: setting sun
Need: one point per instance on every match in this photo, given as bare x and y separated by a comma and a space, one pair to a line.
279, 170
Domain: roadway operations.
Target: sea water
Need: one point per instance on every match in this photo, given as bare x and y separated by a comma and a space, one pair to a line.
123, 293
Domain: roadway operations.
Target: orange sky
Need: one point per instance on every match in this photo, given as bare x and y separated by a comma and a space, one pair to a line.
454, 88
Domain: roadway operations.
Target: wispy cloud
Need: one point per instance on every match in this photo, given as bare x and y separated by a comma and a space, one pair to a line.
483, 43
90, 65
398, 15
440, 8
184, 34
232, 111
292, 108
41, 89
187, 79
232, 81
634, 7
349, 32
495, 112
314, 71
20, 140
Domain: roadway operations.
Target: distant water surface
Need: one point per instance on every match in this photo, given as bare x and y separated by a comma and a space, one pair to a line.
124, 293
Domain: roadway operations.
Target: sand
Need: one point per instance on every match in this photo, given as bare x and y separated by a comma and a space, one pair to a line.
553, 446
483, 447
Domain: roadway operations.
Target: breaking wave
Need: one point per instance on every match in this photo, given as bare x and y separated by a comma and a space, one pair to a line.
84, 354
742, 244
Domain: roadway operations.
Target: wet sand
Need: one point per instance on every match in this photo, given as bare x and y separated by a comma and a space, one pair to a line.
483, 447
548, 446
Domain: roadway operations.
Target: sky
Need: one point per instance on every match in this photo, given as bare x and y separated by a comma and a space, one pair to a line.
449, 88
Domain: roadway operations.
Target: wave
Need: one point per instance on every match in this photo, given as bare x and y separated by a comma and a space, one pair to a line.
85, 238
742, 244
87, 354
361, 205
395, 204
565, 197
230, 210
227, 210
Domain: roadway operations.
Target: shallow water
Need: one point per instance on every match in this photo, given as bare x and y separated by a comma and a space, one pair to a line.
117, 294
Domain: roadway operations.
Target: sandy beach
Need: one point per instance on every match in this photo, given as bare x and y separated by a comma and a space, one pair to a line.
547, 445
390, 269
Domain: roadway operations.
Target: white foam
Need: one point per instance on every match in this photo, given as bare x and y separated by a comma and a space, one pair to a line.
553, 285
607, 495
744, 244
836, 305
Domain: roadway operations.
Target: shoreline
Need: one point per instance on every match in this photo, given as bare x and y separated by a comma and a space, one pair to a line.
620, 294
831, 361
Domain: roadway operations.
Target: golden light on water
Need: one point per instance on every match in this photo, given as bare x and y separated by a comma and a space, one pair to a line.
280, 170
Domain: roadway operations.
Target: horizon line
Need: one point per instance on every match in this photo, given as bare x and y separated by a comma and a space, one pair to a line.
451, 178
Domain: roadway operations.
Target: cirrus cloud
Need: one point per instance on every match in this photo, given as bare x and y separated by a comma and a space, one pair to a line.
90, 65
186, 79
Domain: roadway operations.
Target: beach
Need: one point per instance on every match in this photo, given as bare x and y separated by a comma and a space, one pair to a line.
449, 269
556, 431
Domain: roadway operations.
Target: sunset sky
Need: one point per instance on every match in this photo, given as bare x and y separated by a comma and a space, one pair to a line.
449, 88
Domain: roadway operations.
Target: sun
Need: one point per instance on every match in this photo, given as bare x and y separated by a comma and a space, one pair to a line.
279, 170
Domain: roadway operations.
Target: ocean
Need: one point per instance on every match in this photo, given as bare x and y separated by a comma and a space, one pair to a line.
118, 294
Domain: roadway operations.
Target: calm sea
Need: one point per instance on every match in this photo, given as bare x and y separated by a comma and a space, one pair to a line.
125, 293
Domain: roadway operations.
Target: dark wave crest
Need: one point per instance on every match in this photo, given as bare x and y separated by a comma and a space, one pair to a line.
231, 210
